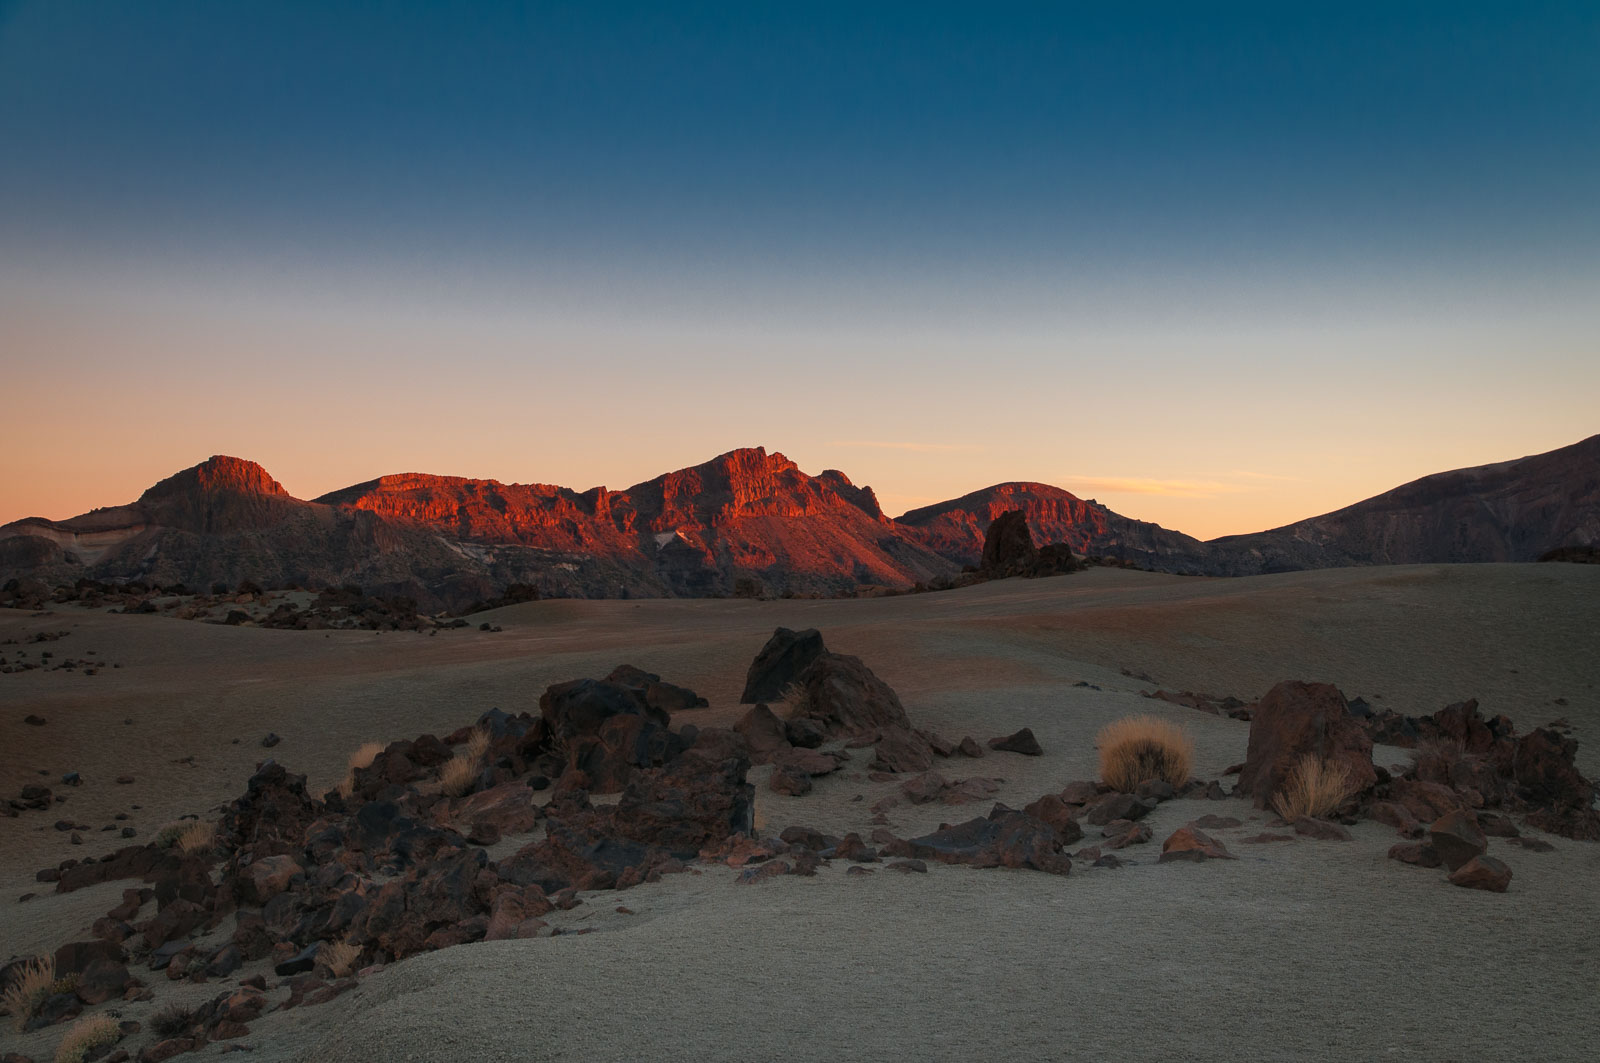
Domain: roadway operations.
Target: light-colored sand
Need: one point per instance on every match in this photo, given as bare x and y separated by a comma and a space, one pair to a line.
1301, 950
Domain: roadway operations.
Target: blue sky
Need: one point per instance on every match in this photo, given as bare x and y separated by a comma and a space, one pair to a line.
1088, 244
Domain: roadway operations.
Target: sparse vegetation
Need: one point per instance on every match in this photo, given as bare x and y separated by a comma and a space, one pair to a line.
30, 987
1313, 787
172, 1020
360, 760
792, 698
198, 837
85, 1036
1138, 748
340, 958
457, 777
168, 836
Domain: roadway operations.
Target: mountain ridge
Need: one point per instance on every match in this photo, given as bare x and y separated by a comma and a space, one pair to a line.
746, 521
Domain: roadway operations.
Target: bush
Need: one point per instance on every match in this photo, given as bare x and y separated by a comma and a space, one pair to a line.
30, 986
87, 1035
1313, 787
360, 760
1138, 748
457, 777
340, 958
198, 837
172, 1020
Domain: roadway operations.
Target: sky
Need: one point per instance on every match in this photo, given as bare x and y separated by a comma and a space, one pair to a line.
1219, 266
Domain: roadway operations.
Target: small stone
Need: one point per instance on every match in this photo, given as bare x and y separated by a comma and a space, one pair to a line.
1418, 854
1482, 872
1022, 742
124, 780
1457, 838
270, 741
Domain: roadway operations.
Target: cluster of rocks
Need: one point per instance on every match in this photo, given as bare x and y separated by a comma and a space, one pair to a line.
1465, 781
831, 698
20, 660
346, 607
1009, 551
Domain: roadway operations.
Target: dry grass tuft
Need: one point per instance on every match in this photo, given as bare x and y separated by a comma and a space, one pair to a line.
168, 836
475, 747
1313, 787
1144, 747
172, 1020
457, 777
791, 701
340, 958
199, 837
29, 987
361, 759
87, 1035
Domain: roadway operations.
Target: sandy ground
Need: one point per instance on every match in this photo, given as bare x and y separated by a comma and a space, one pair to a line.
1299, 950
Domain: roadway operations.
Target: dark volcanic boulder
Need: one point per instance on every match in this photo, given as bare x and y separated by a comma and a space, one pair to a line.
582, 705
668, 697
1008, 545
902, 750
1022, 742
1006, 838
1296, 719
846, 698
1482, 873
780, 662
1457, 838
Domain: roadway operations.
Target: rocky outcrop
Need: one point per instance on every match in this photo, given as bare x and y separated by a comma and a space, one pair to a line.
780, 664
1295, 720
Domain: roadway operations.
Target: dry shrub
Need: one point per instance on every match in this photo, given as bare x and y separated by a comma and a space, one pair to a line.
1144, 747
476, 747
340, 958
198, 837
791, 701
168, 836
85, 1036
360, 760
457, 777
1313, 787
172, 1020
30, 986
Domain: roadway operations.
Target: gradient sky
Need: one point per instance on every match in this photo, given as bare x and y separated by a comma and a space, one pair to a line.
1220, 266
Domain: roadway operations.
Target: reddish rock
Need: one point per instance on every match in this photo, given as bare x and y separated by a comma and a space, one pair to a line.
1187, 843
1420, 854
808, 761
265, 879
790, 781
1295, 719
1497, 826
969, 747
1211, 822
1482, 873
929, 786
1425, 801
780, 664
1457, 838
907, 867
1056, 812
852, 848
1008, 547
1321, 829
1124, 834
763, 732
509, 808
1397, 816
1080, 793
1022, 742
1265, 837
902, 750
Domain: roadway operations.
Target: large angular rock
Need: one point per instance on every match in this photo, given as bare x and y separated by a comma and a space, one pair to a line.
763, 732
1008, 545
1457, 839
1022, 742
667, 697
846, 698
1295, 719
265, 879
780, 663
